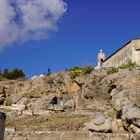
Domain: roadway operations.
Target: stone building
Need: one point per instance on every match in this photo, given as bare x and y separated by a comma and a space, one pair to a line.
129, 53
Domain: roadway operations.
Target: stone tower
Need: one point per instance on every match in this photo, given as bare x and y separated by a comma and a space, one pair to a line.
100, 58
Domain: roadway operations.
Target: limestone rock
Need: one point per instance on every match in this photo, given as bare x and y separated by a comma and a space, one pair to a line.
74, 87
79, 81
1, 89
69, 104
43, 102
50, 107
16, 97
99, 120
99, 124
18, 107
58, 107
93, 95
134, 115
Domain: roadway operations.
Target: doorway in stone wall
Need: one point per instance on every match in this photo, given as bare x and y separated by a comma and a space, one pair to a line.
101, 62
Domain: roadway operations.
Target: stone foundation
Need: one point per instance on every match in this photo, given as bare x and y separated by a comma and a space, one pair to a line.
45, 135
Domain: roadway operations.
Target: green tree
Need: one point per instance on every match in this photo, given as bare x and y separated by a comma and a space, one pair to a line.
14, 74
5, 73
17, 73
49, 72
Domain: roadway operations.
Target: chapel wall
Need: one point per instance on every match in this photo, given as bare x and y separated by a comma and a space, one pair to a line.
123, 56
136, 51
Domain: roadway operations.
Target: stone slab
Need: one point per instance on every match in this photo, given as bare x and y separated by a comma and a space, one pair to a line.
40, 135
17, 107
10, 129
27, 112
41, 112
74, 136
58, 107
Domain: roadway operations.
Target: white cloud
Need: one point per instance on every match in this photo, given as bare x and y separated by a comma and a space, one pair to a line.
28, 19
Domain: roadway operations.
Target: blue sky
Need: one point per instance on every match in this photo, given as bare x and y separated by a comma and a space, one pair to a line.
76, 33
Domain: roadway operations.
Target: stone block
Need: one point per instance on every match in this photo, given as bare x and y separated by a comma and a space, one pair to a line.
74, 136
98, 136
119, 136
58, 107
10, 129
50, 107
41, 112
2, 107
17, 107
17, 135
27, 112
108, 136
18, 112
40, 135
19, 138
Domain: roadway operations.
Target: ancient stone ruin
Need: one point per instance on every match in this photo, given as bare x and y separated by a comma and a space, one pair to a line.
94, 106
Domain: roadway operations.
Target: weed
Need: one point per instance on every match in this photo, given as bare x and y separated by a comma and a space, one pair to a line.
60, 81
112, 70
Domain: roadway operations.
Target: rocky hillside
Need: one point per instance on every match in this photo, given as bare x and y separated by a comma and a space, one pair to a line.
96, 102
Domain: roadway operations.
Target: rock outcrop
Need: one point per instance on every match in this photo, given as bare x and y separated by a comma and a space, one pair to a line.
105, 103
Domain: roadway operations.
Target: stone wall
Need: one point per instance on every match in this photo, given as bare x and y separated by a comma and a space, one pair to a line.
124, 55
136, 51
42, 135
127, 54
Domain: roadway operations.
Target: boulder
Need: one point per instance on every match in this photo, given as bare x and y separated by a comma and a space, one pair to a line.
134, 115
43, 102
127, 102
69, 104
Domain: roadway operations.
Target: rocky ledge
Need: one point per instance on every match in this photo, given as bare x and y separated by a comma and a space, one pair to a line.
96, 103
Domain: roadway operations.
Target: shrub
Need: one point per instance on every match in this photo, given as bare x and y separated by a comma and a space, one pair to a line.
88, 67
60, 81
124, 66
48, 79
76, 71
129, 65
112, 81
112, 70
